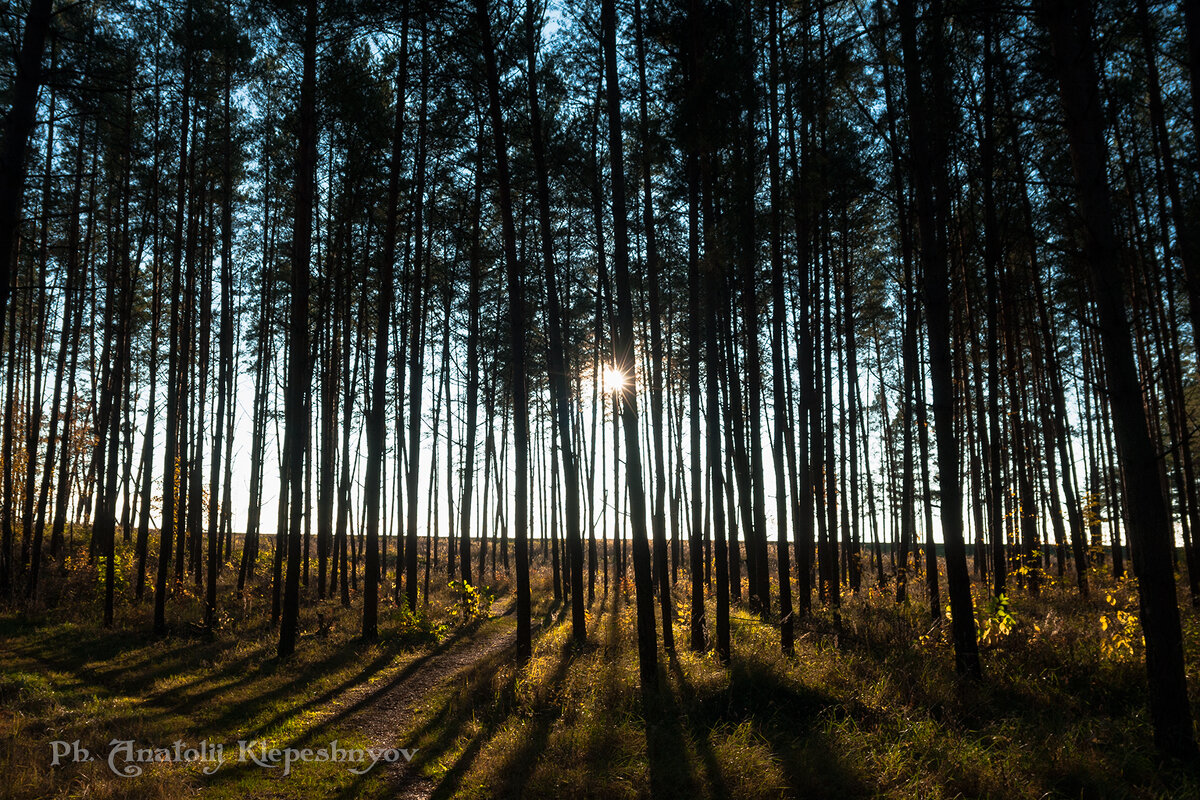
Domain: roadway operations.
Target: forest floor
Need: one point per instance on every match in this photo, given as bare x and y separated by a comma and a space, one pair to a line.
869, 706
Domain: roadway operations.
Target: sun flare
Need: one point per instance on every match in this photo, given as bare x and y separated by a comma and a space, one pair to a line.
615, 380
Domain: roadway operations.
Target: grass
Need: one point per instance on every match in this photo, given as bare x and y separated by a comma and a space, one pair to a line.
65, 678
869, 705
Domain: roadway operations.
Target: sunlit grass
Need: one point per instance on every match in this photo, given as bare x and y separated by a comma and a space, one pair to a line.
868, 706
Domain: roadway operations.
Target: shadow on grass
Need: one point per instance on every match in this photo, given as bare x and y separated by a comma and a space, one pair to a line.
477, 693
131, 663
794, 721
708, 759
438, 734
407, 672
309, 734
520, 765
670, 762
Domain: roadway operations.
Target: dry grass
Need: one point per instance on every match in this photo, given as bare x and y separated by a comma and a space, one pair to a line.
869, 705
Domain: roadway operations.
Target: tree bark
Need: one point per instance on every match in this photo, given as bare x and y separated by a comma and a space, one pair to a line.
558, 365
928, 126
625, 362
516, 307
1149, 526
299, 364
377, 417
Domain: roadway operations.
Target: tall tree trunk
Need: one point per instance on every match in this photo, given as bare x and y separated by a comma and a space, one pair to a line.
263, 365
556, 354
34, 418
783, 428
696, 558
416, 347
377, 417
472, 365
929, 124
712, 368
625, 363
1150, 533
658, 512
68, 315
804, 478
225, 365
516, 305
299, 365
18, 125
167, 530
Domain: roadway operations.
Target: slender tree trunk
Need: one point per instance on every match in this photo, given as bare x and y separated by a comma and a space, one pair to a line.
168, 528
225, 367
696, 558
931, 184
70, 301
716, 474
556, 355
658, 512
299, 365
1069, 25
625, 363
34, 418
18, 125
472, 366
804, 478
377, 418
416, 352
516, 303
778, 341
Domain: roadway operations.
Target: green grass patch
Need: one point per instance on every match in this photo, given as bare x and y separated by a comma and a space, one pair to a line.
869, 705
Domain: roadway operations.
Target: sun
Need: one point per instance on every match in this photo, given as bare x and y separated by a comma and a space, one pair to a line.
615, 379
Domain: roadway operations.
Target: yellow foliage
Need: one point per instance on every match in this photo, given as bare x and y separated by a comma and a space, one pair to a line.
1121, 629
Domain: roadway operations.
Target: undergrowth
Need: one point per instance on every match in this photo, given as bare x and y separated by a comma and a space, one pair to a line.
868, 706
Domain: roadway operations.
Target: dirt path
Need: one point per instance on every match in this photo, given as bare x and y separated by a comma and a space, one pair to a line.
387, 714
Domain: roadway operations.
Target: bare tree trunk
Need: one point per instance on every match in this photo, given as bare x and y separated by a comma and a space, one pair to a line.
783, 428
625, 363
932, 189
376, 417
696, 559
299, 366
34, 418
225, 366
70, 301
712, 368
1069, 25
263, 365
556, 354
167, 530
18, 125
516, 302
416, 352
472, 366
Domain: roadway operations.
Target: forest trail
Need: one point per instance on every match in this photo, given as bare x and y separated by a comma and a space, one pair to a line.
390, 716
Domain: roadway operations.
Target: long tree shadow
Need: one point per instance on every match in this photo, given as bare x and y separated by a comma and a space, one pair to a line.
309, 734
670, 763
243, 712
437, 735
708, 759
121, 666
448, 786
83, 652
793, 721
520, 764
